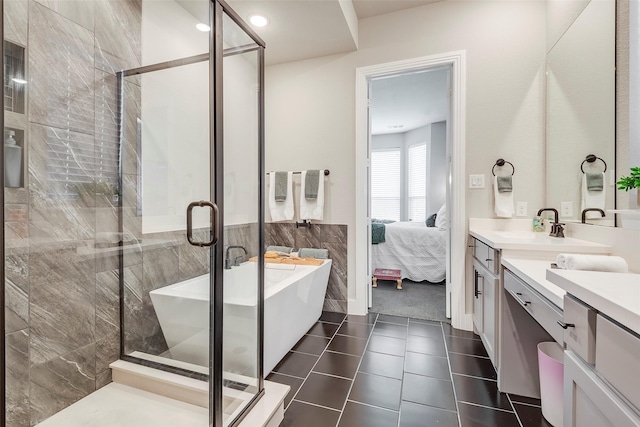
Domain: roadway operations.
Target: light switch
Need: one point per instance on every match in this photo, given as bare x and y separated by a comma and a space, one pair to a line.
476, 181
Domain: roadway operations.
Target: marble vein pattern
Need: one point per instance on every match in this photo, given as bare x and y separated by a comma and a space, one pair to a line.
62, 293
60, 382
61, 59
17, 378
79, 11
118, 30
16, 14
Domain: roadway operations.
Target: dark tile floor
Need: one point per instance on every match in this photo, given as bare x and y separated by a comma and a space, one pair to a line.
388, 371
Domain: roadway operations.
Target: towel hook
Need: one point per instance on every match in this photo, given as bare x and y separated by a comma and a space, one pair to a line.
592, 158
501, 162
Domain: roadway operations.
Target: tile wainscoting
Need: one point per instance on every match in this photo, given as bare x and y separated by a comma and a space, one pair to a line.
332, 237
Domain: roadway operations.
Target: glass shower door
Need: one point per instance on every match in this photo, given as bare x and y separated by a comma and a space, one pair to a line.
239, 172
192, 216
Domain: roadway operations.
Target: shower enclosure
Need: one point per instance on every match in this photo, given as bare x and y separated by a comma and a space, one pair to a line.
140, 201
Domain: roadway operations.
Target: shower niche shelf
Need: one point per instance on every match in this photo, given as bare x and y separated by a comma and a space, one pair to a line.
14, 78
14, 158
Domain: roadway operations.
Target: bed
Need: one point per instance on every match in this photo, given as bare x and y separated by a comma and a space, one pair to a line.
418, 251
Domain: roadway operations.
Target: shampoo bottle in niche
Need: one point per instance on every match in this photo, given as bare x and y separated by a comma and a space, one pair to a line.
12, 162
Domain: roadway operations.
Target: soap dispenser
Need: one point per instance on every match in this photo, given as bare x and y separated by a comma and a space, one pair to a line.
12, 161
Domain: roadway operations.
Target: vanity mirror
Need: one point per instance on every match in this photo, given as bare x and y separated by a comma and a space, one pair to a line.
580, 110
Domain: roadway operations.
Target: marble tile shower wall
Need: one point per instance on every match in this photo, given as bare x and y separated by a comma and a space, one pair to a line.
328, 236
62, 315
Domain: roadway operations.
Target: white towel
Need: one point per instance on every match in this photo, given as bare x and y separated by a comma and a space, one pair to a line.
312, 209
593, 199
281, 211
503, 201
612, 264
561, 261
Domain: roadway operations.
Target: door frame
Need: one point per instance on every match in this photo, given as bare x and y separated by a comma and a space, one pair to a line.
456, 197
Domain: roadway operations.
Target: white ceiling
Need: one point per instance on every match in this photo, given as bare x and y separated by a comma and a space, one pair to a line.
303, 29
410, 101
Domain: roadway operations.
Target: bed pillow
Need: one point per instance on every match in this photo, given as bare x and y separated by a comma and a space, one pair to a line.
431, 221
441, 218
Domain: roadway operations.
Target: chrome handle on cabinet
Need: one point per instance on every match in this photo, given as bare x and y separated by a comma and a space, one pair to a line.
522, 302
488, 259
566, 325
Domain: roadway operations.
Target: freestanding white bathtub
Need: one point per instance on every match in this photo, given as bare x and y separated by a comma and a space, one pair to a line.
294, 297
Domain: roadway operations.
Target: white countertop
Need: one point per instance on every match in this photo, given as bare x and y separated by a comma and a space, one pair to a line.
528, 240
616, 295
534, 272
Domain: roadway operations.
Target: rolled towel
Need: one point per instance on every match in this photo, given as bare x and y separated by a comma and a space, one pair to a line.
505, 184
611, 264
284, 249
313, 253
561, 261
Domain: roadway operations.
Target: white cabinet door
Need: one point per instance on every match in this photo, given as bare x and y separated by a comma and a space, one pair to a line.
490, 305
589, 402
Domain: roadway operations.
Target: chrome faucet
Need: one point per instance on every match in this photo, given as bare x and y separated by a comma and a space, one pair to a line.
584, 213
227, 261
556, 228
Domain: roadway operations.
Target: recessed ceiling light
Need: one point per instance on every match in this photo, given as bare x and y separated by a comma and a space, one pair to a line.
203, 27
258, 20
19, 81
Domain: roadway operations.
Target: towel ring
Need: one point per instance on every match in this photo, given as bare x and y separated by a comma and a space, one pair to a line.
592, 158
501, 162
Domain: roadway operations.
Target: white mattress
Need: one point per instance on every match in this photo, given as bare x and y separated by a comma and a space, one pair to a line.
418, 251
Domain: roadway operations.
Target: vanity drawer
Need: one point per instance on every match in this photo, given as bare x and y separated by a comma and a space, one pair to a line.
544, 312
487, 256
617, 353
580, 334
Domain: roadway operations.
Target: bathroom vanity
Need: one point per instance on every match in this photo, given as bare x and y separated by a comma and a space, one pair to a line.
514, 306
601, 369
520, 301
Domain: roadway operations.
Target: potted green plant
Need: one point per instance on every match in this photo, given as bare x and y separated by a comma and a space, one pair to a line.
632, 181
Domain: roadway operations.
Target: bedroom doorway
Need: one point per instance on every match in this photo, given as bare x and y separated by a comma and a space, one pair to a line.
456, 292
407, 192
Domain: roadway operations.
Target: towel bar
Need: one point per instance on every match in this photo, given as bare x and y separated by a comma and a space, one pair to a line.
326, 172
592, 158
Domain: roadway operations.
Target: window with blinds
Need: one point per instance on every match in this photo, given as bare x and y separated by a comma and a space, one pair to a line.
417, 182
385, 184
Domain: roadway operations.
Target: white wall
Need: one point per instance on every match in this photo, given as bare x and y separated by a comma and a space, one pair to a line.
310, 104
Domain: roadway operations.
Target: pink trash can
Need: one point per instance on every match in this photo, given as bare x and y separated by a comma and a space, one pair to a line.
551, 370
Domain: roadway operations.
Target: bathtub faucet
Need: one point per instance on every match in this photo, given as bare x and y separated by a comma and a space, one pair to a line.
227, 261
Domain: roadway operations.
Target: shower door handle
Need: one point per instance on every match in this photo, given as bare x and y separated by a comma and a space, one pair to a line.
214, 223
